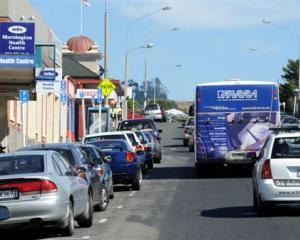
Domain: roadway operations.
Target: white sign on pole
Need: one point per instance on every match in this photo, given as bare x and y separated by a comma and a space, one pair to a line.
48, 80
87, 93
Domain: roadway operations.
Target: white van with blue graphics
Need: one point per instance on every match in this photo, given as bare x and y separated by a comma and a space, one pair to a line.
233, 120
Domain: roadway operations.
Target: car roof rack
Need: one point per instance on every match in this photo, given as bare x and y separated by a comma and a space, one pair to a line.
290, 129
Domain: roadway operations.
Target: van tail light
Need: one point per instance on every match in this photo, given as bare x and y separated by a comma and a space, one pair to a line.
147, 148
31, 187
130, 157
139, 148
266, 172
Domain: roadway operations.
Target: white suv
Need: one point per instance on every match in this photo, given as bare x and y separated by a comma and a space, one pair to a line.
276, 174
153, 111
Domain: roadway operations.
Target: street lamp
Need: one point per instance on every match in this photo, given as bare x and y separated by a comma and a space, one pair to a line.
149, 45
297, 36
126, 52
159, 73
146, 57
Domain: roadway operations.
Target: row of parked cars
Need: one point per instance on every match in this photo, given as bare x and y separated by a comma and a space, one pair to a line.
58, 184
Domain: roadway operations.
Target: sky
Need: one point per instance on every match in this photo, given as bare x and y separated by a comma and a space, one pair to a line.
211, 44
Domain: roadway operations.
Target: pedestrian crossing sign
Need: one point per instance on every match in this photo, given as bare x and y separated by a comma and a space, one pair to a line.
107, 87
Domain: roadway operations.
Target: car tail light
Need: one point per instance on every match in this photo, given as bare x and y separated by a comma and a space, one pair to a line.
139, 148
147, 148
266, 172
130, 156
32, 187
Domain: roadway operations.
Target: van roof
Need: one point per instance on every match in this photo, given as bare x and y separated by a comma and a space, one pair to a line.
237, 82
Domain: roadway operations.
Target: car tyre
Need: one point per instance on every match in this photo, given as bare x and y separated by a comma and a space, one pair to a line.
262, 208
68, 229
185, 142
86, 219
111, 192
102, 206
150, 165
137, 182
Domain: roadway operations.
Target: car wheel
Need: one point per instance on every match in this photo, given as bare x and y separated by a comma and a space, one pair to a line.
255, 201
68, 229
185, 142
86, 219
262, 207
150, 165
102, 206
111, 192
137, 182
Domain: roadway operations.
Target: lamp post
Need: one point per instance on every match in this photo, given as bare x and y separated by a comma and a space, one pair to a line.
297, 36
146, 58
126, 52
149, 45
159, 73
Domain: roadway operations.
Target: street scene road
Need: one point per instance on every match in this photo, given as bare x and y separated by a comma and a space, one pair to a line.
175, 204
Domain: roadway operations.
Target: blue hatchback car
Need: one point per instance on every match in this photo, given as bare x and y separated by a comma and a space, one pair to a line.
125, 163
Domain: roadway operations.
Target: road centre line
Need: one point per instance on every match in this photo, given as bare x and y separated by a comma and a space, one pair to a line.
103, 220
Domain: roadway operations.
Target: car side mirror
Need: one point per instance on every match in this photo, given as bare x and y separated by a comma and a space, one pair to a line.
160, 131
108, 159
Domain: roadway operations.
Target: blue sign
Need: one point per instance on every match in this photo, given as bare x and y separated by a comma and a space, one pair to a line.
63, 85
63, 98
81, 95
24, 96
47, 75
99, 99
17, 44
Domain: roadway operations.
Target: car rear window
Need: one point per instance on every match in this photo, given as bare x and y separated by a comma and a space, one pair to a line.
67, 154
105, 137
110, 146
21, 164
151, 107
287, 147
137, 125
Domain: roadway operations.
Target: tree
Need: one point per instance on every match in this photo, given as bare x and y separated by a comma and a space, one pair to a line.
130, 104
165, 103
287, 89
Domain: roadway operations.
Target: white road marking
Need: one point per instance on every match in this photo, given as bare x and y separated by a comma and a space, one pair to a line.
131, 194
103, 220
120, 207
86, 237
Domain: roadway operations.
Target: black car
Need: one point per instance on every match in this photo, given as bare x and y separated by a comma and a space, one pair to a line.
81, 164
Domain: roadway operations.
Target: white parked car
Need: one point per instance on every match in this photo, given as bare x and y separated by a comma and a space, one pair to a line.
153, 111
276, 174
289, 122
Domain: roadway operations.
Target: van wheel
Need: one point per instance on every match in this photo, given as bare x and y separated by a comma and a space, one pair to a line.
86, 219
68, 230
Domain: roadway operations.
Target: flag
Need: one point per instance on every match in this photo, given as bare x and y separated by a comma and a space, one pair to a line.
86, 2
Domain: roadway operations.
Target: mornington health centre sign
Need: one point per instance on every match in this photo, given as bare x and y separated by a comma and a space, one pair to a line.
17, 45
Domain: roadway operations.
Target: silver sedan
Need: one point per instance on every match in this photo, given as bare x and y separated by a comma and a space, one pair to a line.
40, 188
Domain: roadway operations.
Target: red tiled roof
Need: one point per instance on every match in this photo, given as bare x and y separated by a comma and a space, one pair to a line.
80, 44
5, 19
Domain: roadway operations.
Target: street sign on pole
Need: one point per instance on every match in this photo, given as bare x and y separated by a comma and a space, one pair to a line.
81, 95
24, 96
99, 99
107, 87
63, 98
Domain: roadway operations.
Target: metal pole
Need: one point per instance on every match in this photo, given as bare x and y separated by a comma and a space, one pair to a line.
106, 46
154, 92
83, 117
100, 117
298, 80
81, 13
23, 124
145, 79
126, 88
132, 105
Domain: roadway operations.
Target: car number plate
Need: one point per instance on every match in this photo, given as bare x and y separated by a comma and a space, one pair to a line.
238, 156
9, 194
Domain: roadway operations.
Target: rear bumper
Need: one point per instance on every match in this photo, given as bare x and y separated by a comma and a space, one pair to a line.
47, 208
125, 175
269, 192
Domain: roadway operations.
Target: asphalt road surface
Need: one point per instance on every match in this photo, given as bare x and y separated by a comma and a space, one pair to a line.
174, 204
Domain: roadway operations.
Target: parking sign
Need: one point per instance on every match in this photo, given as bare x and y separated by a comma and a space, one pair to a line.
24, 96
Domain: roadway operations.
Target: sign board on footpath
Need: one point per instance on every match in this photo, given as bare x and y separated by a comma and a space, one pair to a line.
107, 87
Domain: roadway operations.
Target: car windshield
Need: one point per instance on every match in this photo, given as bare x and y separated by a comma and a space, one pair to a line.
151, 107
21, 164
138, 125
287, 147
